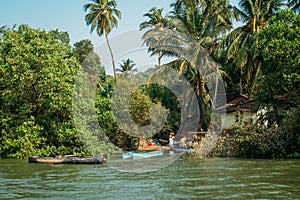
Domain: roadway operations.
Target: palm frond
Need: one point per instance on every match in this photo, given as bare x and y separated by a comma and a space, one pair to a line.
102, 15
294, 5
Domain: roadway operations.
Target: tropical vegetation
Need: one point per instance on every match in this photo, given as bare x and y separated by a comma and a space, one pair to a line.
127, 67
259, 58
103, 16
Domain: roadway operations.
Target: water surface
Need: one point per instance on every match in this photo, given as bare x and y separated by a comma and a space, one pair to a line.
186, 178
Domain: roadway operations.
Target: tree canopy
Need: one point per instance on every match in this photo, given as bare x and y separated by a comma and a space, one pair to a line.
37, 72
279, 84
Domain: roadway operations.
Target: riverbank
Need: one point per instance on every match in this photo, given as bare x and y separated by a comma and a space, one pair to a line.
254, 142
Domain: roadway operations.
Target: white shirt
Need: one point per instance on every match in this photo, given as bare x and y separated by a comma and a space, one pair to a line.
171, 142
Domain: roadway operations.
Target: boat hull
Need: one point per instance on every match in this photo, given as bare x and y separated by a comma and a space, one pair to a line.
98, 159
139, 155
46, 160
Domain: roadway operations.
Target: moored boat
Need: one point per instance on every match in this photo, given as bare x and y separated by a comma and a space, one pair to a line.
138, 155
50, 160
98, 159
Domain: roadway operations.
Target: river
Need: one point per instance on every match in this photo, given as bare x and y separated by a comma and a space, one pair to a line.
185, 178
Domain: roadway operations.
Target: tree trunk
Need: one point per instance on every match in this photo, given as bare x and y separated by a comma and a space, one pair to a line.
255, 79
159, 58
184, 98
241, 81
112, 56
204, 122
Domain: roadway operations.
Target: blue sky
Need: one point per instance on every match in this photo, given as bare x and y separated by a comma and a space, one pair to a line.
68, 15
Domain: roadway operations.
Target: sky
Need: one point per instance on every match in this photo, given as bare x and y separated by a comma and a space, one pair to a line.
68, 15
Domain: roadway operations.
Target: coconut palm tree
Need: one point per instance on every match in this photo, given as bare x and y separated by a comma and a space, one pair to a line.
127, 67
206, 20
191, 38
103, 16
239, 48
156, 20
294, 5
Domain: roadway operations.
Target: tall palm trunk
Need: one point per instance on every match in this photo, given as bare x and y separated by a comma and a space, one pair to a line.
159, 58
255, 79
185, 95
241, 81
204, 115
112, 56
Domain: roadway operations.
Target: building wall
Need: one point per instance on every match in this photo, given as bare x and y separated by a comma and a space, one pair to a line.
236, 118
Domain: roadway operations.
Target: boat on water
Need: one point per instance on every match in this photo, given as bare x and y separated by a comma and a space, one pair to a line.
182, 149
138, 155
98, 159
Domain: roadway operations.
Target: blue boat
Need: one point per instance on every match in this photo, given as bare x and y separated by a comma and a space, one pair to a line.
138, 155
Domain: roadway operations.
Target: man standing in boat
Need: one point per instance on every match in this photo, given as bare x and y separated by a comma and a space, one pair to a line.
171, 140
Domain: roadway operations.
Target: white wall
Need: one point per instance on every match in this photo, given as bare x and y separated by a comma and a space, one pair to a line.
244, 117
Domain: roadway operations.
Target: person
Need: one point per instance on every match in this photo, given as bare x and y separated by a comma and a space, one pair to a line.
171, 140
150, 142
144, 146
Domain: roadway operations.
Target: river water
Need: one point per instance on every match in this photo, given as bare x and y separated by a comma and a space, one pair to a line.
185, 178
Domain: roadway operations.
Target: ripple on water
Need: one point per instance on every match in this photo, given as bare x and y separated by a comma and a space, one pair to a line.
185, 178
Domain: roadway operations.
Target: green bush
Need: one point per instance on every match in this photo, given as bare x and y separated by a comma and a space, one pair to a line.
258, 142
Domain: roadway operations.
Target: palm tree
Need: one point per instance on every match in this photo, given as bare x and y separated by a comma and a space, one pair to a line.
191, 37
156, 20
127, 67
206, 20
240, 46
294, 5
102, 16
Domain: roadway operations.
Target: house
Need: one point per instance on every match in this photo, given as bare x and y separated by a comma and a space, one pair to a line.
239, 111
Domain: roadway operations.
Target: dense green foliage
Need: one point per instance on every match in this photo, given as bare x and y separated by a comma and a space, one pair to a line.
277, 133
36, 78
255, 142
240, 57
39, 69
189, 33
279, 85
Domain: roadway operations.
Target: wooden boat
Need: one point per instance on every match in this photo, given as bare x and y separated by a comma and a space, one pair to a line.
98, 159
51, 160
138, 155
148, 148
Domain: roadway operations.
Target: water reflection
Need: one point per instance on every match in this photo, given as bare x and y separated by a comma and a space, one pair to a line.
144, 164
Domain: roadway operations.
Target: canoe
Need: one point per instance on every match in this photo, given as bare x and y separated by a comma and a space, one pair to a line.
98, 159
51, 160
138, 155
